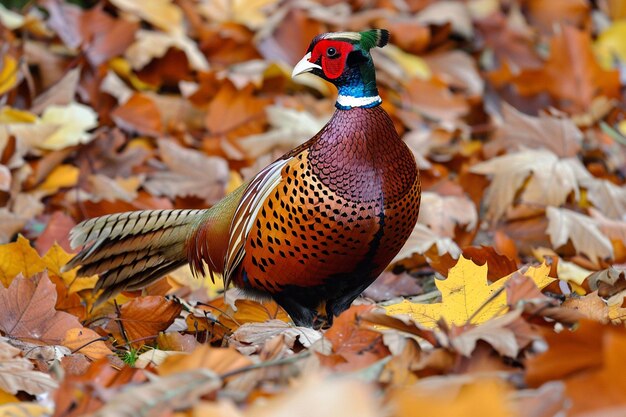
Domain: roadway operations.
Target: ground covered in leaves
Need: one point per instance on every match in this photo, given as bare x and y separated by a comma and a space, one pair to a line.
508, 299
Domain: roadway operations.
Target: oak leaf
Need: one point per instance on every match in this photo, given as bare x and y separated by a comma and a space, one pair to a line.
467, 297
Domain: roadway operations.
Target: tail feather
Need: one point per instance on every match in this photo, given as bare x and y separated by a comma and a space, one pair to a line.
130, 250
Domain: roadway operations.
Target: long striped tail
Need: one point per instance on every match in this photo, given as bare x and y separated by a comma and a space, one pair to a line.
130, 250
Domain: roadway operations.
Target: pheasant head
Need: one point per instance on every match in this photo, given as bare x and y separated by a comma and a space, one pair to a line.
343, 58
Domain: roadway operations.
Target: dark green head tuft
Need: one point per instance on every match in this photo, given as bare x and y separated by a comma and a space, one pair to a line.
373, 38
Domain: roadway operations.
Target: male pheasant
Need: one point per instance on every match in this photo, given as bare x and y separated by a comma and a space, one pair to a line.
313, 229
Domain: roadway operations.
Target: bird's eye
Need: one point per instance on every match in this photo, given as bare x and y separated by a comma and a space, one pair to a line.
331, 52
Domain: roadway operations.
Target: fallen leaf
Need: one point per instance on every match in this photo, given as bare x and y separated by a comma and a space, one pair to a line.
545, 179
173, 392
161, 13
191, 173
250, 337
326, 396
73, 122
610, 45
389, 285
584, 79
589, 360
442, 214
19, 258
354, 346
215, 360
486, 398
17, 374
139, 114
141, 319
518, 131
150, 45
252, 14
467, 297
564, 225
29, 313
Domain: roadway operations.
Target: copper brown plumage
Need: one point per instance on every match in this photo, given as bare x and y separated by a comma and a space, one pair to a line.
314, 228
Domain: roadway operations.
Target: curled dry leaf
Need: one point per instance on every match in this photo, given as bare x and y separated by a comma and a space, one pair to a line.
250, 338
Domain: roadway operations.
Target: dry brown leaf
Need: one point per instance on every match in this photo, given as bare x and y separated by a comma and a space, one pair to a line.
551, 179
583, 231
249, 338
389, 285
317, 396
17, 373
576, 87
143, 318
518, 131
191, 173
216, 360
589, 360
61, 93
174, 392
29, 314
354, 346
442, 214
139, 114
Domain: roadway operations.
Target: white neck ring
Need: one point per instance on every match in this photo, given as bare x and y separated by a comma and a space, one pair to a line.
350, 101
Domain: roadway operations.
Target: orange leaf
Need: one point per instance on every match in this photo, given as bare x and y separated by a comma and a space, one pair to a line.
143, 318
139, 114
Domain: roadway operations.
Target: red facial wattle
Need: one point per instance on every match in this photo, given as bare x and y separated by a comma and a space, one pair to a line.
333, 67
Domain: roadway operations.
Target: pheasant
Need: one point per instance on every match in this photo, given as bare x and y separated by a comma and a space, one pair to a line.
312, 230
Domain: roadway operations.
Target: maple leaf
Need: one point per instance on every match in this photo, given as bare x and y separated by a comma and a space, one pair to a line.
564, 225
467, 297
550, 183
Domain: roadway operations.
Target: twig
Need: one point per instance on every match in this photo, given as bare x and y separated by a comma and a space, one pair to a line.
267, 364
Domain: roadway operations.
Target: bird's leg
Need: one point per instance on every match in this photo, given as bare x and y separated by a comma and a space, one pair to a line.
301, 315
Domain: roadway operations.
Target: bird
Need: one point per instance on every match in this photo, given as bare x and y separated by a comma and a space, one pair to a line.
311, 231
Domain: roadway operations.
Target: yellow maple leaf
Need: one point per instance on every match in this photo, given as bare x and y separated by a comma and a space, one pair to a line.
55, 259
19, 257
467, 297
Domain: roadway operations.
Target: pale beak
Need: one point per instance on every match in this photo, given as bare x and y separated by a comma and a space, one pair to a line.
304, 66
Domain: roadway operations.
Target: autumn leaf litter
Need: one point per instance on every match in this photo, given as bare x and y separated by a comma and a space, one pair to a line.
507, 300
